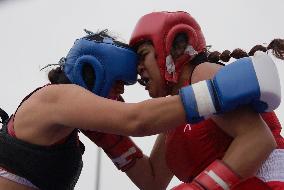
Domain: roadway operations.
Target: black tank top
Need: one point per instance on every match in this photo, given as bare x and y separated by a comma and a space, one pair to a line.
55, 167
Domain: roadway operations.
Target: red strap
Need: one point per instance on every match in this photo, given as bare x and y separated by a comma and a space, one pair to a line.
186, 186
120, 149
217, 176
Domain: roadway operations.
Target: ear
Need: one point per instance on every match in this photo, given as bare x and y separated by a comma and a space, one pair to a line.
98, 69
180, 28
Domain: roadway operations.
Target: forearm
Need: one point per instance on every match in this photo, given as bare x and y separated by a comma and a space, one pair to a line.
155, 116
84, 110
248, 151
252, 143
146, 172
152, 172
142, 174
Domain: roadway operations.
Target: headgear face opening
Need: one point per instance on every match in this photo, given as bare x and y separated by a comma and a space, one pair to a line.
110, 62
161, 29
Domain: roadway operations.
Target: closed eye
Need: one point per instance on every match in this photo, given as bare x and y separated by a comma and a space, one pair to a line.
142, 55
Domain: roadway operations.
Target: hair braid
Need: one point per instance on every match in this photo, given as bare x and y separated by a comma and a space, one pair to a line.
276, 45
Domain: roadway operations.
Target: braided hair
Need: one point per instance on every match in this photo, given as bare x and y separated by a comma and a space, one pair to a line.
276, 45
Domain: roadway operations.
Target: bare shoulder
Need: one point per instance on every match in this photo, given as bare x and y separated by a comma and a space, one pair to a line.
47, 100
63, 97
51, 93
36, 120
59, 95
204, 71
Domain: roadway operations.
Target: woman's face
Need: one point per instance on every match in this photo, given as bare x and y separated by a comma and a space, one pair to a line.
116, 90
149, 71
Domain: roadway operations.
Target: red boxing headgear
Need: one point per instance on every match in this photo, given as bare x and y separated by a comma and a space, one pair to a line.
161, 29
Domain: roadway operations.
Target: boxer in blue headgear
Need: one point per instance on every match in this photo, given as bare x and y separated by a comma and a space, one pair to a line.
110, 60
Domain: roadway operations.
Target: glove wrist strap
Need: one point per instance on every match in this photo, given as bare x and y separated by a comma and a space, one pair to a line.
218, 176
124, 154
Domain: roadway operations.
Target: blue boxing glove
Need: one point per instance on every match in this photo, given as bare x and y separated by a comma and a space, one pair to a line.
251, 80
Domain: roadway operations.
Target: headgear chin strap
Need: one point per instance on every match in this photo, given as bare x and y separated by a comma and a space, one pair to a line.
110, 62
161, 29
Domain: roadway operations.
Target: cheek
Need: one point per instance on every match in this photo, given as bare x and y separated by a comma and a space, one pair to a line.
151, 66
150, 60
158, 85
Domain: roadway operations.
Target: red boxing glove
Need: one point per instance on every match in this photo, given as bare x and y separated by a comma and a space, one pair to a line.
252, 183
120, 149
217, 176
187, 186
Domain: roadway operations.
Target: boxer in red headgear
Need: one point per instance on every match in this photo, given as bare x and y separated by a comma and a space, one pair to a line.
161, 29
237, 150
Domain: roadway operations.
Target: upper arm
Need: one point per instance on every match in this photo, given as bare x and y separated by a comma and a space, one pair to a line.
158, 158
75, 107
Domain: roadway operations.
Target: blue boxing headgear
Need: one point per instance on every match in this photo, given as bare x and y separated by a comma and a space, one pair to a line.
111, 62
